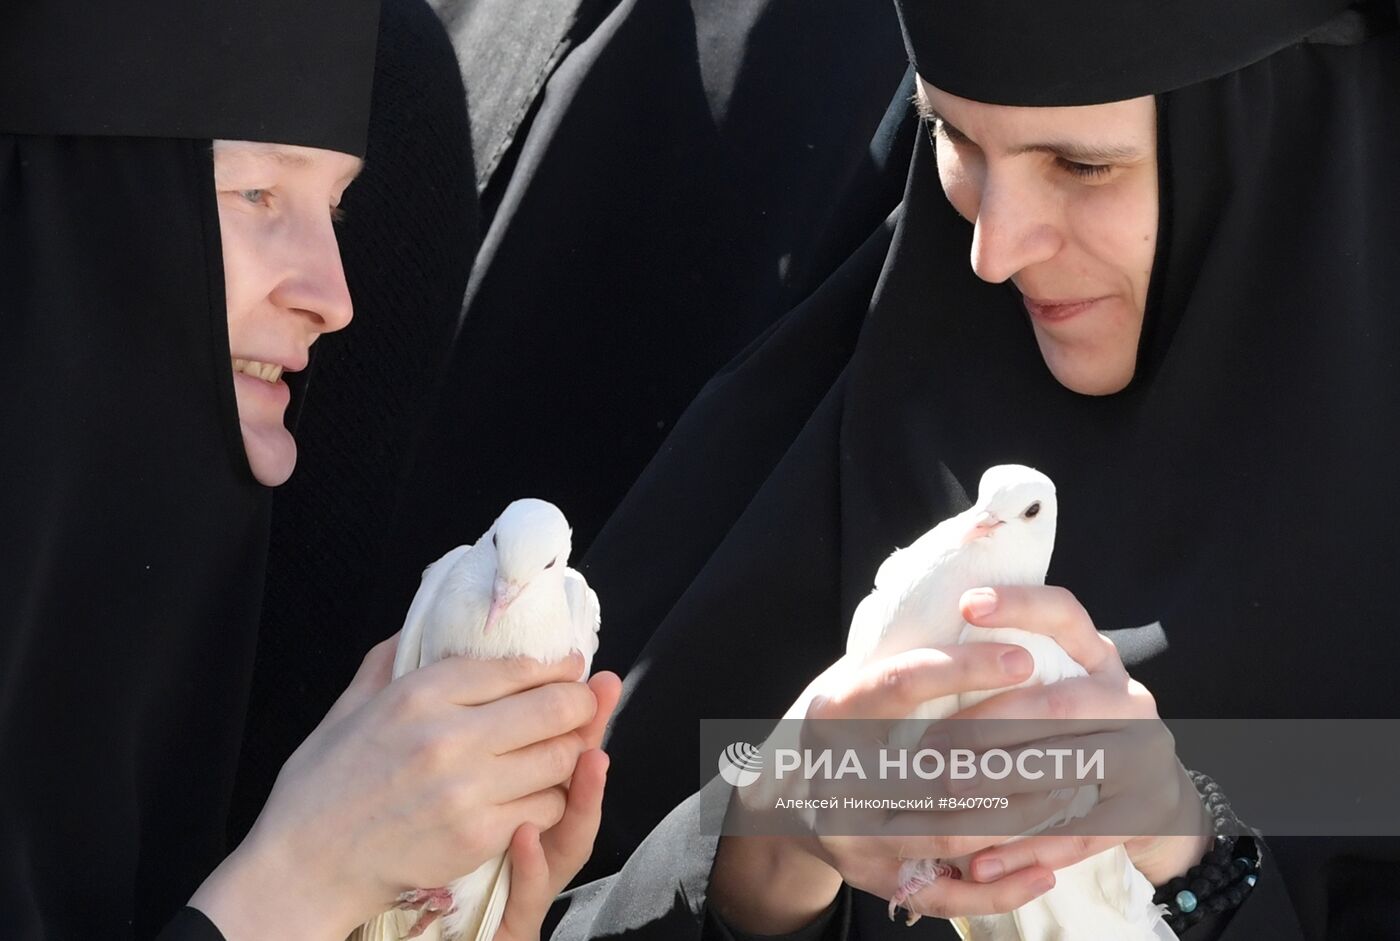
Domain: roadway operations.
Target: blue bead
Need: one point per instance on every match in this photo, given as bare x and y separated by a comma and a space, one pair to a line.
1251, 879
1186, 901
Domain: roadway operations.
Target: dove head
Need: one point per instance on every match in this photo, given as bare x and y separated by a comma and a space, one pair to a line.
532, 541
1016, 513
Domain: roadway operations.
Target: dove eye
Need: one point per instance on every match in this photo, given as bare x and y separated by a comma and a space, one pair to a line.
551, 563
494, 542
1032, 511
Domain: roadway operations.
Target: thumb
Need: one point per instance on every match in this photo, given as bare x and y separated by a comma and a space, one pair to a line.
374, 674
530, 894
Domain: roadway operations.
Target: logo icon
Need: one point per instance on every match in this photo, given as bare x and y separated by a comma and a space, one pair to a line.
740, 764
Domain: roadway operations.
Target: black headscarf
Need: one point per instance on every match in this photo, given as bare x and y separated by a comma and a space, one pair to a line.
1236, 491
135, 535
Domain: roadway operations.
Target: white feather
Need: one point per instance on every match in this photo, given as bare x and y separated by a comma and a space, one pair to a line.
915, 604
554, 614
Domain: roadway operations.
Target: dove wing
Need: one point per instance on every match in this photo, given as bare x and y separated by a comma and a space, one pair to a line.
495, 909
586, 615
868, 624
393, 925
898, 579
409, 654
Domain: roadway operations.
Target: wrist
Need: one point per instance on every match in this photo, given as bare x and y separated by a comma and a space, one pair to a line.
1163, 858
770, 884
260, 891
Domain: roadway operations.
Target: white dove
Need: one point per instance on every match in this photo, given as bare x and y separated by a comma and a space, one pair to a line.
509, 594
1006, 538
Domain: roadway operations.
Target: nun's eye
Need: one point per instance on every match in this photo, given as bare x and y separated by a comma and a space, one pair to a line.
253, 196
551, 563
1032, 511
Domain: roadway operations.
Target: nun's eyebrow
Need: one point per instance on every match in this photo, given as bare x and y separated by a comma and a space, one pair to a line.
1073, 151
1081, 153
286, 158
933, 117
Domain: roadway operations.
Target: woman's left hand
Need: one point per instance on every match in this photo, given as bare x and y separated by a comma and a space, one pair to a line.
1145, 783
542, 864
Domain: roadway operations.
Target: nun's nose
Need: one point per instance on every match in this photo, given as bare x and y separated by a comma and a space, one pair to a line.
1012, 231
314, 284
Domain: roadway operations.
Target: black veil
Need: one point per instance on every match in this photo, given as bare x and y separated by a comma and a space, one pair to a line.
1214, 496
135, 534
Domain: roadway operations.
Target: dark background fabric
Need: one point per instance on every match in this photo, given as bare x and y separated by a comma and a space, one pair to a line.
510, 47
407, 242
694, 169
1206, 496
131, 567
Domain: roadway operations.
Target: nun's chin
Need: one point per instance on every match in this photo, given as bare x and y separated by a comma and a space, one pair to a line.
1088, 373
1091, 355
271, 450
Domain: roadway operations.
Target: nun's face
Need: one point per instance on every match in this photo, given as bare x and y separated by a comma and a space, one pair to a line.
282, 277
1063, 203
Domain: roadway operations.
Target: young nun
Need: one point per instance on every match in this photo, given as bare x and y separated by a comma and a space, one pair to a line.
167, 183
1150, 249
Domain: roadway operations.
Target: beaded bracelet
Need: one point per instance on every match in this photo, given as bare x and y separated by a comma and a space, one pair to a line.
1225, 874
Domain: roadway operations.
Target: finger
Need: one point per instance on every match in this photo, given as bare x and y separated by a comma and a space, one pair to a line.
374, 674
948, 834
1110, 823
1081, 699
569, 843
530, 893
533, 768
891, 688
1043, 609
1116, 761
542, 810
535, 715
469, 682
952, 898
607, 690
1047, 851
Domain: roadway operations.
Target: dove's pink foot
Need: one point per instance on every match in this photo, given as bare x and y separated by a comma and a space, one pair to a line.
430, 903
915, 875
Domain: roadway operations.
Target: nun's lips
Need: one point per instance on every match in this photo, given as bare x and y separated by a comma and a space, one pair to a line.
1058, 310
267, 369
276, 394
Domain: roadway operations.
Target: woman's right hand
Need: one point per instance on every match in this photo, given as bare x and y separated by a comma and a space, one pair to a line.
404, 784
778, 884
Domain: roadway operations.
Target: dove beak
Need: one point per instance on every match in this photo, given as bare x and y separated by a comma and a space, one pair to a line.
982, 527
503, 594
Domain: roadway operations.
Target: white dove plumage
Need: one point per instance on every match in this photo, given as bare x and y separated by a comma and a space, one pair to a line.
1006, 538
511, 593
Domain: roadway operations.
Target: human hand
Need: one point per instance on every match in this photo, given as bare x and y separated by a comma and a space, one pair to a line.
543, 864
777, 884
1146, 788
403, 784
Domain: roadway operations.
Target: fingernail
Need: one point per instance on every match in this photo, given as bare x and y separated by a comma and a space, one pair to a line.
1043, 885
1015, 662
986, 870
980, 602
